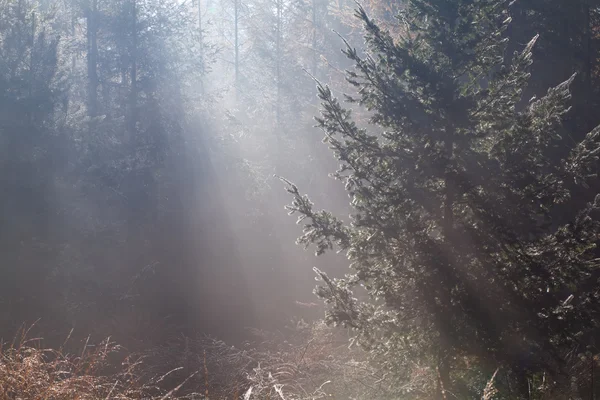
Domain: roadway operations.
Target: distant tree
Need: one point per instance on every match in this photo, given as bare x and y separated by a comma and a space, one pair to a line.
32, 92
453, 189
134, 163
100, 150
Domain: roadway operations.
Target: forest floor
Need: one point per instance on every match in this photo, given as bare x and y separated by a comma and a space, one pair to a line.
312, 363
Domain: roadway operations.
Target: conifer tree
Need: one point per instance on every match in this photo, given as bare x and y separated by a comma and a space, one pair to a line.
32, 90
452, 189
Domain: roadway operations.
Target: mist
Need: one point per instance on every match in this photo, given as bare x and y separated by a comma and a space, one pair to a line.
143, 146
169, 168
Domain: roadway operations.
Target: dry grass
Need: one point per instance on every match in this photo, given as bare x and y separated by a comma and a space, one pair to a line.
301, 367
30, 372
308, 362
311, 362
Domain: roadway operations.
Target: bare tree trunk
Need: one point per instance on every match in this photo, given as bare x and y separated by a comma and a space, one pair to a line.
444, 383
314, 37
31, 64
237, 43
278, 64
443, 374
448, 224
73, 20
133, 72
592, 383
588, 67
201, 39
568, 60
67, 102
92, 60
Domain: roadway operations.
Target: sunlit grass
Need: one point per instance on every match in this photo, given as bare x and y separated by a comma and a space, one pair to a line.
313, 363
28, 371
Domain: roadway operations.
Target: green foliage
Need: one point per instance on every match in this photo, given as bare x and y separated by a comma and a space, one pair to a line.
452, 233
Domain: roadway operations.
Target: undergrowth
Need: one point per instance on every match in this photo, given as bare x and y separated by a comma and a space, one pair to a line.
308, 362
28, 371
305, 362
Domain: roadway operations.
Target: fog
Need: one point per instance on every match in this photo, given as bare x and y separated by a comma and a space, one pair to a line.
142, 162
164, 162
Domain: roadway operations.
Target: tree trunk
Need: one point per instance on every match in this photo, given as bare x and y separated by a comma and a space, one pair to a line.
314, 38
31, 55
73, 21
201, 39
444, 383
67, 101
92, 60
592, 378
200, 35
133, 72
588, 67
449, 191
237, 44
278, 65
523, 388
31, 66
443, 374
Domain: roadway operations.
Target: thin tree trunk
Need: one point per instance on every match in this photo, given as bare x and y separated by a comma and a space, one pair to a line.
21, 17
523, 385
587, 48
133, 89
278, 65
124, 89
73, 53
31, 63
448, 223
237, 44
314, 37
443, 375
592, 383
92, 60
201, 39
444, 383
73, 20
568, 60
200, 35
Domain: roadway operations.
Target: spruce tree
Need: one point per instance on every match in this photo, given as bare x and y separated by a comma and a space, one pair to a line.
452, 190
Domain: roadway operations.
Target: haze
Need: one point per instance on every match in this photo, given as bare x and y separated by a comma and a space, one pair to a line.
149, 149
